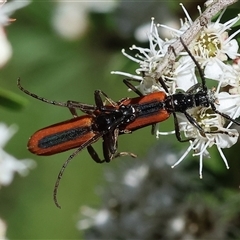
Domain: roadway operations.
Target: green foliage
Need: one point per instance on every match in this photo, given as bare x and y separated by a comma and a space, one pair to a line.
11, 100
62, 70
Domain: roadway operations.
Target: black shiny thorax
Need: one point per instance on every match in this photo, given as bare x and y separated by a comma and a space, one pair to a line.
109, 118
181, 102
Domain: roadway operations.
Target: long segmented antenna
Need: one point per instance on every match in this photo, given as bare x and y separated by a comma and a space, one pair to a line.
60, 174
61, 104
204, 87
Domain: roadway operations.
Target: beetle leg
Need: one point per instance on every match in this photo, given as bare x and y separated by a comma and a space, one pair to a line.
194, 88
163, 84
94, 155
224, 115
177, 130
123, 154
86, 108
99, 101
153, 129
109, 148
131, 86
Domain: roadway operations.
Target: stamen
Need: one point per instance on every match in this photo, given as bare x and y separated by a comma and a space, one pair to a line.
164, 133
128, 75
203, 149
186, 13
223, 156
220, 16
200, 166
199, 10
232, 36
179, 32
183, 156
130, 57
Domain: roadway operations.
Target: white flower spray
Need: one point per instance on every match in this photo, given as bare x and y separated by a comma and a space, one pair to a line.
9, 165
213, 48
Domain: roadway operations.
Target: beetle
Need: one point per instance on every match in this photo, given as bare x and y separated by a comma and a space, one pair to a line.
196, 96
100, 121
108, 121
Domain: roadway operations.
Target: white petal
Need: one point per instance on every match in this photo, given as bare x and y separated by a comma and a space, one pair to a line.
185, 81
70, 20
227, 141
9, 8
229, 104
9, 165
213, 70
185, 73
3, 229
5, 48
231, 48
6, 133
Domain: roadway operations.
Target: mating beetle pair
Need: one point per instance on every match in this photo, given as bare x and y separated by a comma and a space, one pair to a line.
108, 121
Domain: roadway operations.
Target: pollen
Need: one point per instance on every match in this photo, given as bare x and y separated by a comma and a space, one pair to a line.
207, 45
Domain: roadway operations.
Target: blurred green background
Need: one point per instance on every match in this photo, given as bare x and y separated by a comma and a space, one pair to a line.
61, 70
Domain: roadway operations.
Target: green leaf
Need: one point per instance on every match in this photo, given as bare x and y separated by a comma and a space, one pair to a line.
11, 100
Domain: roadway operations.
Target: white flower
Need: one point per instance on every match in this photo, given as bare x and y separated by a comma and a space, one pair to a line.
229, 104
166, 203
134, 177
183, 76
148, 60
213, 125
228, 77
213, 45
3, 229
213, 42
8, 163
70, 19
210, 50
7, 9
5, 48
215, 134
93, 217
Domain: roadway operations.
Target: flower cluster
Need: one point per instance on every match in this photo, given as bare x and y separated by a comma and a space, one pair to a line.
5, 11
213, 54
70, 18
8, 163
147, 200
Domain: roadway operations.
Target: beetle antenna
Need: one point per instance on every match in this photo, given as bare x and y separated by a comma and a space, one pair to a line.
60, 174
204, 87
61, 104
